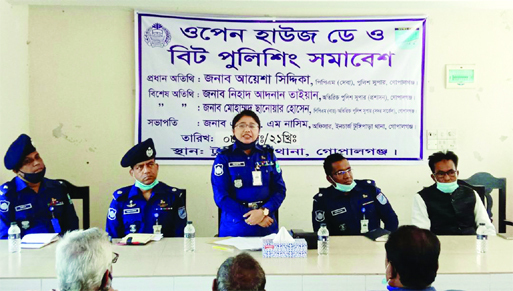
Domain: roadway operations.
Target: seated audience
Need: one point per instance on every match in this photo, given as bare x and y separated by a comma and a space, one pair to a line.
240, 273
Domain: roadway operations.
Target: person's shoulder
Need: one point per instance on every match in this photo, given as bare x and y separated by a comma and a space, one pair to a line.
163, 187
121, 194
7, 187
268, 148
323, 193
225, 150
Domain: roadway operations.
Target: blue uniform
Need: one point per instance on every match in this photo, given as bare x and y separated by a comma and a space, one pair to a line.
33, 211
234, 187
129, 212
343, 213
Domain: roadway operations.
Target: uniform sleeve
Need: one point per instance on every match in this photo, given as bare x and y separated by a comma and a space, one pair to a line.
318, 215
180, 215
419, 214
221, 185
5, 221
277, 188
115, 226
70, 221
481, 216
387, 214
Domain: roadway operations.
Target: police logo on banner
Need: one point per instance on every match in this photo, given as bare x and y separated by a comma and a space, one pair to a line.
182, 213
4, 206
382, 199
218, 170
157, 36
112, 214
319, 215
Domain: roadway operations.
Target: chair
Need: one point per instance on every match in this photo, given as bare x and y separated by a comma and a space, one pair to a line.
490, 183
81, 192
487, 201
219, 219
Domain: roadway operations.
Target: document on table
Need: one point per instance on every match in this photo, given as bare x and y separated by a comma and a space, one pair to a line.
242, 243
38, 240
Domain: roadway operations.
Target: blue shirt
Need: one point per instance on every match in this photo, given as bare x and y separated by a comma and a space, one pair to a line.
129, 212
343, 212
233, 185
33, 211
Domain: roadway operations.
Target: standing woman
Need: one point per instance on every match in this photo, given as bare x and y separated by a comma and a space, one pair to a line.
247, 182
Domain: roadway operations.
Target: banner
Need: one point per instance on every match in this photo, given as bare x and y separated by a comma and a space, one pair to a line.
319, 86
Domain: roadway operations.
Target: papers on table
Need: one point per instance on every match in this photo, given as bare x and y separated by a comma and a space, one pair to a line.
38, 240
138, 239
242, 243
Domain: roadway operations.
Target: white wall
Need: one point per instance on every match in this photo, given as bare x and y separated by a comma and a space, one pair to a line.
82, 99
14, 74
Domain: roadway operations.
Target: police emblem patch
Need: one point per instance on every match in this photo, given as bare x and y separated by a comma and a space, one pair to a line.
218, 170
133, 228
163, 203
237, 183
382, 199
182, 213
131, 204
112, 214
319, 215
157, 36
149, 152
25, 224
342, 227
4, 206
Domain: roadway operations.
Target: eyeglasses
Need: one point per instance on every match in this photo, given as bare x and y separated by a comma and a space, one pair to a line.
115, 257
243, 126
342, 172
441, 174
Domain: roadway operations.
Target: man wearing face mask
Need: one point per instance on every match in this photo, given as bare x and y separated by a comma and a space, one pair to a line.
350, 207
148, 206
445, 207
35, 203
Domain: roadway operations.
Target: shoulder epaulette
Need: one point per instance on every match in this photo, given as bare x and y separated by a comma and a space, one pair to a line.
119, 193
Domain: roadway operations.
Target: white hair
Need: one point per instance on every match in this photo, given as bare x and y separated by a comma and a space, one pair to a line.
81, 259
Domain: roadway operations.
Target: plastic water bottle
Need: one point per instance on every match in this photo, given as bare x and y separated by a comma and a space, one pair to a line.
482, 239
189, 238
14, 237
323, 240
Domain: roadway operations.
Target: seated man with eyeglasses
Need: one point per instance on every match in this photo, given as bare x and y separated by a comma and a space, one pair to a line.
147, 206
83, 261
445, 207
350, 207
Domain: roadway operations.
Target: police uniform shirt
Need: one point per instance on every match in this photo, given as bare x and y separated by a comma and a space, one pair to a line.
233, 185
129, 212
343, 213
33, 211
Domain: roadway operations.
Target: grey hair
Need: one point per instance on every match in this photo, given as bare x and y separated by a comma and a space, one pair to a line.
242, 272
81, 259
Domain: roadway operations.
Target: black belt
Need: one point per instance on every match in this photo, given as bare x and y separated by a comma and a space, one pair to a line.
253, 205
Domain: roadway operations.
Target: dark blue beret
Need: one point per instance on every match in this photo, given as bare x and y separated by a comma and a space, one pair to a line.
17, 152
139, 153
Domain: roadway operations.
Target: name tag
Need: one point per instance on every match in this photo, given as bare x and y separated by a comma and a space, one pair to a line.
131, 211
23, 207
236, 164
338, 211
367, 203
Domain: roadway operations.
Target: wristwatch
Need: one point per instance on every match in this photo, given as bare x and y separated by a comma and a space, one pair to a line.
266, 211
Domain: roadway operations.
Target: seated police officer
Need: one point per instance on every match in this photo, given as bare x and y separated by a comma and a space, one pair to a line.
35, 203
447, 208
148, 206
350, 207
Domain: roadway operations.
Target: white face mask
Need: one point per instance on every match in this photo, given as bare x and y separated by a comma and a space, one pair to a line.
343, 187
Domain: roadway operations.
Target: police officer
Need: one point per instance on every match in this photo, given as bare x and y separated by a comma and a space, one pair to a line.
35, 203
350, 207
148, 206
247, 182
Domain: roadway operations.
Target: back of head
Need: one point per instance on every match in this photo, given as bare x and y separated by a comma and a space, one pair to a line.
413, 253
242, 272
81, 259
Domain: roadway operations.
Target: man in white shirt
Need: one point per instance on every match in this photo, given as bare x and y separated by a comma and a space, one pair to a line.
445, 207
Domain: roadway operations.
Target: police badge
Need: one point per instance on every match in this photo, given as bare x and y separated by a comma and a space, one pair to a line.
218, 170
237, 183
4, 206
157, 36
149, 152
319, 215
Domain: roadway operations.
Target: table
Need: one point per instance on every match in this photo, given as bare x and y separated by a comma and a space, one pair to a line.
354, 263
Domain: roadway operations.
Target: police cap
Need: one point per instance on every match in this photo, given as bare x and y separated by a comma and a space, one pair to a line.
17, 152
139, 153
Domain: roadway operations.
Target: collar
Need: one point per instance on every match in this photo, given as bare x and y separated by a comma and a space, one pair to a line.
134, 191
258, 147
20, 184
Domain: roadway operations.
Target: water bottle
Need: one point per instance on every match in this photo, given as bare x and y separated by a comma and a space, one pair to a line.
189, 237
14, 237
482, 239
323, 240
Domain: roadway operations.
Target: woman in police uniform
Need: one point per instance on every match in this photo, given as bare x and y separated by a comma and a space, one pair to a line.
247, 182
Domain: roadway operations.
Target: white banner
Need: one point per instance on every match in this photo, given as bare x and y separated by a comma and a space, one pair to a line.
319, 86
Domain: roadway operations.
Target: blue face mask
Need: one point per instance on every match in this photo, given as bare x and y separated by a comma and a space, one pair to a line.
344, 187
145, 187
447, 187
34, 178
244, 146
